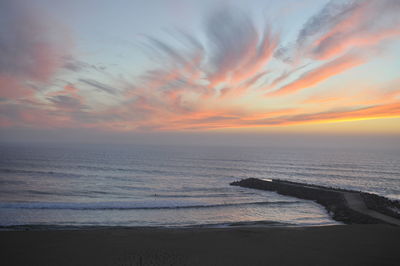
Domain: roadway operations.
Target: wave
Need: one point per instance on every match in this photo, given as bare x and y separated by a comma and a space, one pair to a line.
122, 205
41, 172
287, 170
96, 226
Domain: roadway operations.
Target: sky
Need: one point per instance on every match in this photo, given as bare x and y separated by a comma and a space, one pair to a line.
125, 69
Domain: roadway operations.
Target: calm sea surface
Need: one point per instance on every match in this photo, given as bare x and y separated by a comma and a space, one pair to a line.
177, 186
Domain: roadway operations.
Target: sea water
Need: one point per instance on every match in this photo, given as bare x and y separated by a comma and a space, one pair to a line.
137, 185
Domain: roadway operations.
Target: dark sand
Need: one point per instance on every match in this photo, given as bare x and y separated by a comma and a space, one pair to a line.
330, 245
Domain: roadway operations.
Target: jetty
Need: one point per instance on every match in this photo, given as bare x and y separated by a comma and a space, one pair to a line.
347, 206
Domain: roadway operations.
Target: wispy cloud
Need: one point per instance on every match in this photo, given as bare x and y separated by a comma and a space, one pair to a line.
67, 99
98, 85
321, 73
30, 51
64, 101
344, 25
239, 51
235, 74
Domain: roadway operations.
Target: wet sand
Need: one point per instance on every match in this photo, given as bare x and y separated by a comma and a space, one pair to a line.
330, 245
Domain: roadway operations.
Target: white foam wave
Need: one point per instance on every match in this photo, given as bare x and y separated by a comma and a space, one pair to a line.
124, 205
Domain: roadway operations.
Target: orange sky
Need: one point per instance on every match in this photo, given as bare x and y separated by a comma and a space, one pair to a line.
337, 74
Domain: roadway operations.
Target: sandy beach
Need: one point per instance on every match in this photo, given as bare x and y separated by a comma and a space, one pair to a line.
329, 245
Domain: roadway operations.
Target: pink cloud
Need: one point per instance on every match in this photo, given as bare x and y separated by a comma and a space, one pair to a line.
12, 88
194, 86
240, 50
32, 48
320, 74
340, 27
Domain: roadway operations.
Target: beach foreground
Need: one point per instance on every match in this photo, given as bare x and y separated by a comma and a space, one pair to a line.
329, 245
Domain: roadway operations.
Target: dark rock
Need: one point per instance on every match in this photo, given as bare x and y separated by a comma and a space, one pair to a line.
331, 198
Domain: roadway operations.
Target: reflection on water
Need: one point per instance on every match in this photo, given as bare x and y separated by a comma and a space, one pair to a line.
175, 186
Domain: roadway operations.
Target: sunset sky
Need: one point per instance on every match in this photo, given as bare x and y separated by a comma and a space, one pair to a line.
187, 66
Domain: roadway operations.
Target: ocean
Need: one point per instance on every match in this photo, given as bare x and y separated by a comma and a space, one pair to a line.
178, 186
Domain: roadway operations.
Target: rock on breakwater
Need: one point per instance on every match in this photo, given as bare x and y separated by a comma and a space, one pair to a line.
363, 208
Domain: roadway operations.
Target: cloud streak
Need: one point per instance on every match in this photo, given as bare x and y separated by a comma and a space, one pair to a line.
199, 82
99, 85
320, 74
31, 48
239, 51
344, 25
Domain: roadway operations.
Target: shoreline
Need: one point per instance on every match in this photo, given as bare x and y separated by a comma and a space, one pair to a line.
250, 224
325, 245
